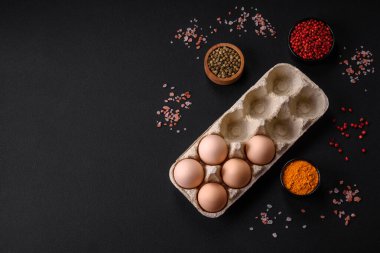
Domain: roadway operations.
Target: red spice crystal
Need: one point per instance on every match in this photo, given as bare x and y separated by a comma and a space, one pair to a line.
311, 40
346, 130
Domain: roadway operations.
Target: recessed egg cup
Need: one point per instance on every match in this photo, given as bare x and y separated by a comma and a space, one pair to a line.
236, 127
259, 104
283, 81
282, 104
284, 130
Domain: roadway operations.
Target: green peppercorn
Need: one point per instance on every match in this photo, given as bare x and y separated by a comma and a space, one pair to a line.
224, 62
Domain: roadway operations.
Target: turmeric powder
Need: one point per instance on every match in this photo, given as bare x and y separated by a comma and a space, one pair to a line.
300, 177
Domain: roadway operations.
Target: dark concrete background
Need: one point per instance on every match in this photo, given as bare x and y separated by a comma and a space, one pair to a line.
83, 168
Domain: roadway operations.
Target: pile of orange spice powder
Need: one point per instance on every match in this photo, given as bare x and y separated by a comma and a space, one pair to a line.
300, 177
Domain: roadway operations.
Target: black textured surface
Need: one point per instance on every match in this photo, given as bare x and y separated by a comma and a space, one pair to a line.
83, 168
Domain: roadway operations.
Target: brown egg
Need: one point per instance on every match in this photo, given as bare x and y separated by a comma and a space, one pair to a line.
212, 197
236, 173
260, 149
213, 149
188, 173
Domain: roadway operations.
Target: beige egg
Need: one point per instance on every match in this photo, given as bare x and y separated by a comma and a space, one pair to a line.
260, 149
212, 197
188, 173
213, 149
236, 173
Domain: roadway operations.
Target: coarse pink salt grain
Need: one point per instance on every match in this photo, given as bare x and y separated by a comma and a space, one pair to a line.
350, 194
171, 114
193, 35
263, 26
240, 19
357, 65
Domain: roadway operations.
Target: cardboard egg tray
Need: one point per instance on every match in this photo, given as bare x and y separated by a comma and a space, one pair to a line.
282, 104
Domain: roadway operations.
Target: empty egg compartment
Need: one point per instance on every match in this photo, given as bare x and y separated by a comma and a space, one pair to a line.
283, 130
309, 104
236, 127
259, 105
284, 80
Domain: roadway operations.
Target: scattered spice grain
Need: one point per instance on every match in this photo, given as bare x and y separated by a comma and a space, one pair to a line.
170, 113
191, 36
239, 18
349, 127
357, 64
348, 195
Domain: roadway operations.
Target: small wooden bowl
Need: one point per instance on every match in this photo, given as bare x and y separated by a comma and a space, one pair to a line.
228, 80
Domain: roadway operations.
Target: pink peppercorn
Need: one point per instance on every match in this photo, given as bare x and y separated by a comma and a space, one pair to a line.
311, 40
